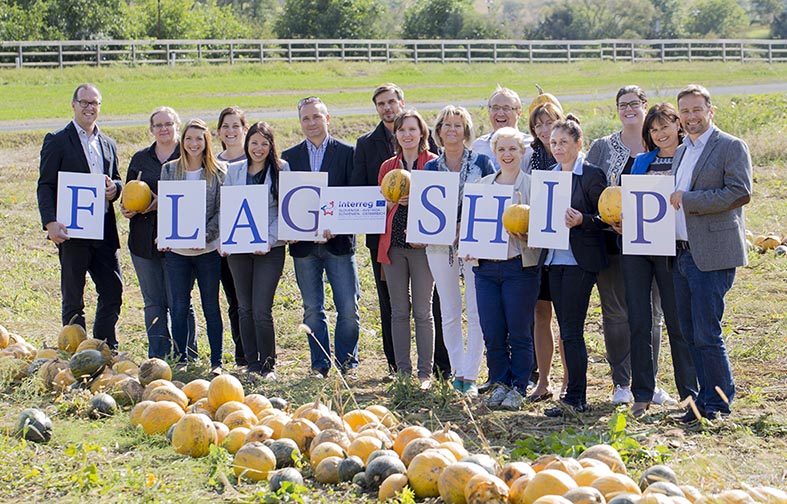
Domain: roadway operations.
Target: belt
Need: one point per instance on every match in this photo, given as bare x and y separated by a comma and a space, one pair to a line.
682, 245
517, 257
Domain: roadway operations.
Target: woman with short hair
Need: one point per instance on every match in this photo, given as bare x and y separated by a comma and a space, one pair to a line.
454, 133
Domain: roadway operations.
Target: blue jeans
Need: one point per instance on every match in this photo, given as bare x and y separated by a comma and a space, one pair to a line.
156, 294
342, 273
700, 299
506, 294
570, 287
638, 275
181, 271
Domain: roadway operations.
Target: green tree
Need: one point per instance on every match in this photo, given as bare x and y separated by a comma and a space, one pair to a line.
717, 18
447, 19
779, 26
350, 19
595, 19
20, 22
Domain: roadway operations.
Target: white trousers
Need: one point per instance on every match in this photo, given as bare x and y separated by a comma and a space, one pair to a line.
465, 357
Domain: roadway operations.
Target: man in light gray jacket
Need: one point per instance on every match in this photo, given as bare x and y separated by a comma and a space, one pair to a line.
713, 180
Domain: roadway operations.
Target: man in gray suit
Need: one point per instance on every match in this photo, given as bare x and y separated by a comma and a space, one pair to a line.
713, 180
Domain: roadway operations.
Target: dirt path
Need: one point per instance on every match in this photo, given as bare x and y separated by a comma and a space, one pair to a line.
141, 119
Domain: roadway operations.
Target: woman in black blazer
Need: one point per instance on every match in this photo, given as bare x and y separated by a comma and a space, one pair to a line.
573, 272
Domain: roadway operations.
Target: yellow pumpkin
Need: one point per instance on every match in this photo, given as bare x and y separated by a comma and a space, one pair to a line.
606, 454
240, 418
253, 461
170, 393
230, 407
446, 435
224, 388
196, 390
395, 184
615, 484
363, 446
423, 473
415, 447
385, 415
276, 422
96, 344
552, 499
512, 471
452, 480
135, 416
585, 495
301, 431
158, 417
590, 474
154, 369
568, 465
136, 195
70, 337
391, 487
46, 353
327, 471
259, 433
193, 435
4, 337
771, 242
358, 418
126, 367
235, 439
408, 434
486, 489
222, 431
541, 99
457, 449
610, 205
325, 450
547, 482
256, 402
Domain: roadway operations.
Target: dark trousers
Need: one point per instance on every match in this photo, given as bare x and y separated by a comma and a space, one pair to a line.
256, 278
571, 287
77, 259
442, 365
638, 275
228, 285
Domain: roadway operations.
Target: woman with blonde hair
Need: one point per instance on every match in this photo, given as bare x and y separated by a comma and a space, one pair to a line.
197, 162
454, 133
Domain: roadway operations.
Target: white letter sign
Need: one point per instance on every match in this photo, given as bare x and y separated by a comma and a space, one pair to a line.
351, 210
244, 219
550, 197
482, 235
181, 214
649, 223
299, 204
433, 207
81, 204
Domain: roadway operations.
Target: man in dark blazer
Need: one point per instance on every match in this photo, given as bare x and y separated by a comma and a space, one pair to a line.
81, 147
334, 257
713, 180
371, 150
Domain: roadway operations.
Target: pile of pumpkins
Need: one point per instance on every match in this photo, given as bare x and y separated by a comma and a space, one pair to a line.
372, 449
764, 243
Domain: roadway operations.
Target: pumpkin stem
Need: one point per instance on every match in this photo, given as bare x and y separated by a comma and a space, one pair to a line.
71, 322
540, 91
139, 176
519, 197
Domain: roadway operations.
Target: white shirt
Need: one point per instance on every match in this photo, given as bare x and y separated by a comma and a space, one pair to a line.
684, 174
92, 149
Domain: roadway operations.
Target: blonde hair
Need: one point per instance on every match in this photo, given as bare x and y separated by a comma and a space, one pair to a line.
212, 166
451, 110
508, 132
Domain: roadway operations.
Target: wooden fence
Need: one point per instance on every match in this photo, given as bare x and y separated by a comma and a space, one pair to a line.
177, 52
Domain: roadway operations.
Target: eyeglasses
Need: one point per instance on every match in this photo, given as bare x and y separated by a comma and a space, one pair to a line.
307, 101
159, 126
632, 104
86, 104
505, 108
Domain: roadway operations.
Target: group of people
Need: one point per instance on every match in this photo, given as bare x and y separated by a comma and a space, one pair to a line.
508, 303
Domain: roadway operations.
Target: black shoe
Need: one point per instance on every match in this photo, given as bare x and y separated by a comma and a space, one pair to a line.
350, 373
560, 410
485, 387
689, 417
319, 372
539, 398
715, 415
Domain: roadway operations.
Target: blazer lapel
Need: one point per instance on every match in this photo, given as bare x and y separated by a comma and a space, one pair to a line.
327, 160
706, 152
105, 152
76, 144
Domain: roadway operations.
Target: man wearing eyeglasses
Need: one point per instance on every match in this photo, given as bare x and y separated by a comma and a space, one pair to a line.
334, 257
81, 147
504, 108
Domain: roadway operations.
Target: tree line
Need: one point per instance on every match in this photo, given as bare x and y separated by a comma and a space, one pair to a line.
410, 19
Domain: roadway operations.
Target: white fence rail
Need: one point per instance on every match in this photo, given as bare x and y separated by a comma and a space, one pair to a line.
176, 52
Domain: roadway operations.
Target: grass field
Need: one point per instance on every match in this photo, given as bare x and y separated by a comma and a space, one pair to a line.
107, 461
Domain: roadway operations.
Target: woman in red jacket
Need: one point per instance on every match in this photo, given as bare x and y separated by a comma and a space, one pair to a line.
405, 267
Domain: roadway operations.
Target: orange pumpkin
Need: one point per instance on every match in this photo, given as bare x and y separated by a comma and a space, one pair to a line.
452, 480
158, 417
136, 195
193, 435
424, 471
224, 388
610, 205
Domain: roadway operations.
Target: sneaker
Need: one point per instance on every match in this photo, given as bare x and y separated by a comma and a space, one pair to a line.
622, 395
350, 374
458, 385
486, 387
497, 397
426, 383
471, 389
253, 377
662, 398
563, 408
319, 373
216, 371
269, 376
513, 401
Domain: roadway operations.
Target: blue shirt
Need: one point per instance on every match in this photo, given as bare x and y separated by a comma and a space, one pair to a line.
565, 257
316, 153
